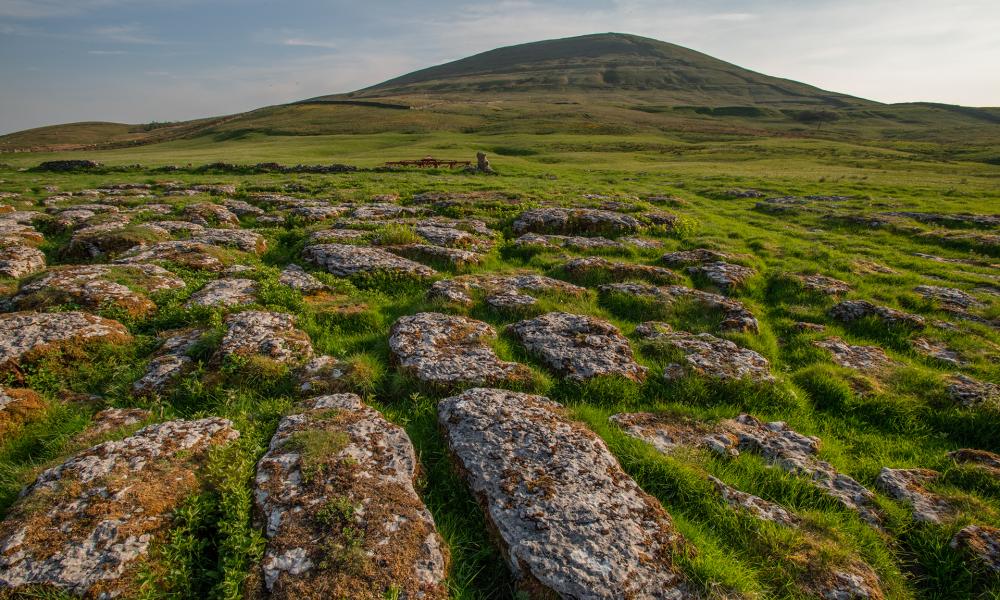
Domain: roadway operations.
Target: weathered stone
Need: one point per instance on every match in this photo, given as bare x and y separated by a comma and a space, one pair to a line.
175, 227
968, 392
575, 220
936, 350
241, 239
345, 260
707, 355
110, 420
208, 214
723, 275
188, 253
735, 316
571, 522
87, 525
872, 267
241, 208
822, 284
447, 350
950, 299
27, 335
850, 311
267, 334
698, 256
18, 406
460, 289
455, 256
345, 521
578, 346
907, 485
982, 543
322, 374
451, 237
319, 211
169, 362
591, 266
296, 278
867, 359
977, 458
18, 260
225, 292
754, 505
384, 210
113, 238
565, 241
97, 286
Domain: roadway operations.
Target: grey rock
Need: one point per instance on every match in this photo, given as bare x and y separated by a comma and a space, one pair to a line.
426, 252
189, 253
95, 286
723, 275
357, 498
566, 241
18, 260
707, 355
267, 334
850, 311
618, 271
461, 289
572, 524
575, 220
867, 359
735, 316
822, 284
446, 350
169, 362
345, 260
907, 485
296, 278
23, 335
982, 543
698, 256
578, 346
241, 239
225, 292
86, 525
968, 392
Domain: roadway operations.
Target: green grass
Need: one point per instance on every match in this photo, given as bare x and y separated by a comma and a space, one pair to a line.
865, 422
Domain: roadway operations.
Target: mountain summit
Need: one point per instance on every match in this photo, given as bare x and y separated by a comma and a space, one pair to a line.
609, 62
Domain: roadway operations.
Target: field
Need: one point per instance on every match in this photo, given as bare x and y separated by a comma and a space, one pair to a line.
851, 217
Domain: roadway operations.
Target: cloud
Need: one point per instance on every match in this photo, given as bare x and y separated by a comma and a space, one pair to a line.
124, 34
309, 43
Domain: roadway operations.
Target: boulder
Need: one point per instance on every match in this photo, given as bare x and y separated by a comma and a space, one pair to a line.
977, 458
345, 260
266, 334
448, 350
385, 210
575, 221
596, 266
723, 275
570, 521
850, 311
452, 237
123, 287
735, 316
969, 392
821, 284
754, 505
87, 526
225, 292
461, 289
169, 362
578, 347
187, 253
25, 336
907, 485
706, 355
296, 278
950, 299
18, 260
982, 543
208, 214
456, 257
241, 239
597, 243
698, 256
335, 496
867, 359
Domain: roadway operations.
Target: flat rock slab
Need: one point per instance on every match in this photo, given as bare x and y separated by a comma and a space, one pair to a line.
187, 253
850, 311
26, 335
87, 525
344, 520
453, 237
444, 349
578, 347
867, 359
225, 292
735, 315
241, 239
169, 362
982, 543
683, 258
821, 284
618, 271
208, 214
707, 355
969, 392
571, 522
98, 286
978, 458
456, 257
461, 289
907, 485
725, 276
266, 334
573, 242
575, 220
950, 299
296, 278
18, 260
345, 260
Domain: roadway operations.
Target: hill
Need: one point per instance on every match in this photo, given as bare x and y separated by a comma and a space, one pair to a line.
604, 84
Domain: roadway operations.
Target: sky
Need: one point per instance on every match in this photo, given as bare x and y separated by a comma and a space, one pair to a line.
137, 61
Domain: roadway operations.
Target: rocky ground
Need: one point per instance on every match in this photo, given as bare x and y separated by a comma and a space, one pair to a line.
254, 388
